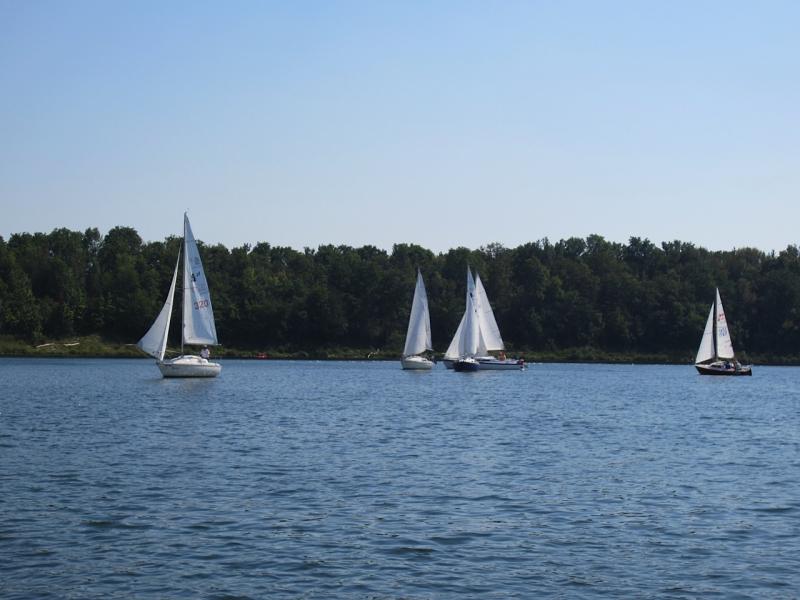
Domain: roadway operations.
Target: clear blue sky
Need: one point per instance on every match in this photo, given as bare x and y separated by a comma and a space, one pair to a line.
438, 123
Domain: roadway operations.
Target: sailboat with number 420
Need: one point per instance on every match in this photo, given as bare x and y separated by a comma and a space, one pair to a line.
197, 318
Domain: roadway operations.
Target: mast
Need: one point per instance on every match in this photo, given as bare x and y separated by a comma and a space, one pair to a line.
183, 287
714, 330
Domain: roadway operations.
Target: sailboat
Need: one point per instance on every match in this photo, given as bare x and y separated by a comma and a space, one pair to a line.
715, 356
491, 334
197, 318
470, 343
481, 317
418, 336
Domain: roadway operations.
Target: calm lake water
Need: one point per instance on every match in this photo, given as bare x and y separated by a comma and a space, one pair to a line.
359, 480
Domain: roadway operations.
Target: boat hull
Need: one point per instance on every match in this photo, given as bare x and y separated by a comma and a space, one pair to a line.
716, 369
491, 364
416, 363
467, 365
495, 364
189, 366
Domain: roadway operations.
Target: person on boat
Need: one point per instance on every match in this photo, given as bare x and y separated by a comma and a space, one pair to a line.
205, 353
502, 355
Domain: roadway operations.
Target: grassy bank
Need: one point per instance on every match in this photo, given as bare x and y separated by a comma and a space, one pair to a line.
94, 346
85, 346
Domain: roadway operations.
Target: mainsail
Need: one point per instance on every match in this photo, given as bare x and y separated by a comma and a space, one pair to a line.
154, 342
724, 343
470, 343
454, 349
198, 316
488, 325
418, 336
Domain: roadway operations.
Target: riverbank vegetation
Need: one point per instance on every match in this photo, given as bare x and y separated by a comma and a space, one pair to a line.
575, 299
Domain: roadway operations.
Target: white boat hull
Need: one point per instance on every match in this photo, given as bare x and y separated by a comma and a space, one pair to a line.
495, 364
416, 363
189, 366
491, 364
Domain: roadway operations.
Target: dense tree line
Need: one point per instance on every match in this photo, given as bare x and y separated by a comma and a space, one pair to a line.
634, 297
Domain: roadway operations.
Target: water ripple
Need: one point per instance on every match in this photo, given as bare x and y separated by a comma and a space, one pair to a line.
357, 480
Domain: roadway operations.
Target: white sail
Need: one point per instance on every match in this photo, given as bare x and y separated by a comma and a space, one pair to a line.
706, 350
724, 343
482, 349
452, 349
154, 342
470, 340
488, 325
198, 316
716, 341
418, 336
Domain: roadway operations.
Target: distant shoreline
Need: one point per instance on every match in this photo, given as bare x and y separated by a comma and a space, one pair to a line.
95, 347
